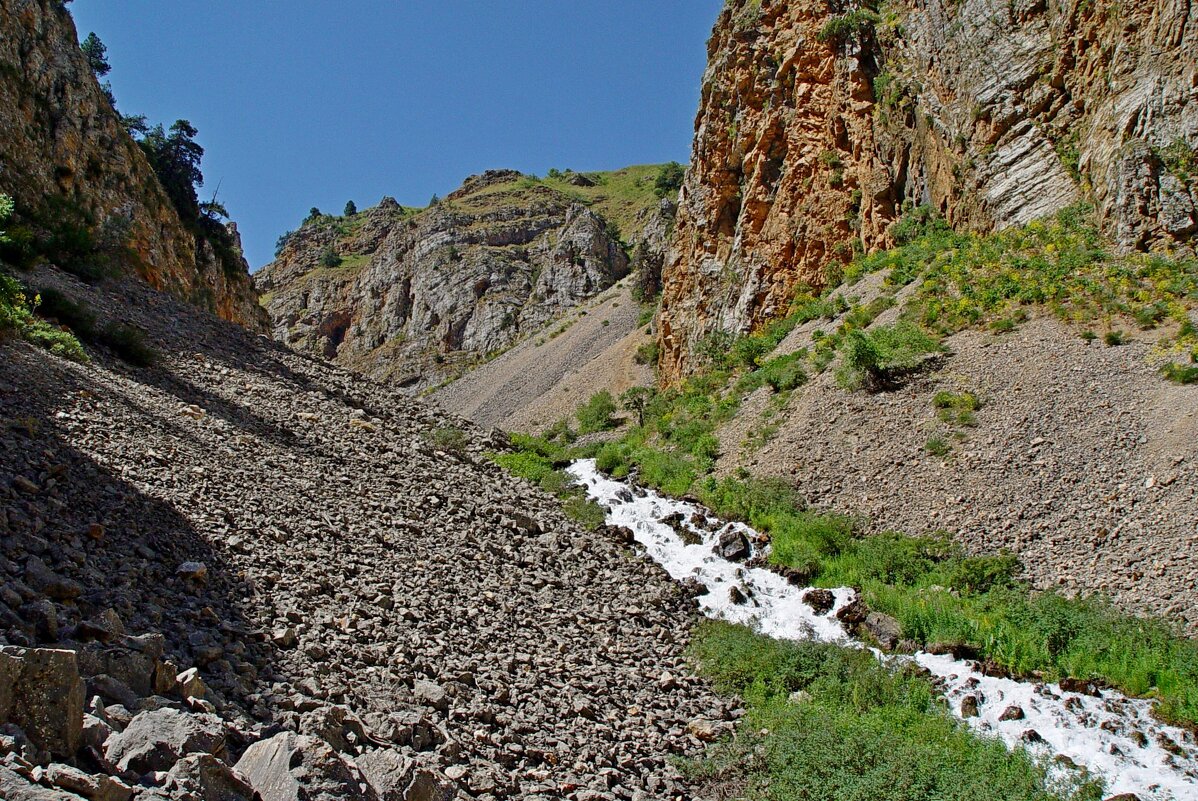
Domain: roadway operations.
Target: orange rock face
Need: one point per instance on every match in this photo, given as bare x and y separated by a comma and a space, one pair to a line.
816, 130
66, 158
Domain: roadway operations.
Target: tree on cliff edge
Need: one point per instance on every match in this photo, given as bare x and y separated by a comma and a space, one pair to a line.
96, 54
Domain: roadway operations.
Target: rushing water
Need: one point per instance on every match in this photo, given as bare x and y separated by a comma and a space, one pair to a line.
1111, 735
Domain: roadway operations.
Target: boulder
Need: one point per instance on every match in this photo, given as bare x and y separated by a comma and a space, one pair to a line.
338, 727
41, 692
295, 767
203, 777
135, 668
969, 706
14, 787
429, 785
853, 613
883, 628
431, 694
93, 787
388, 771
733, 546
44, 580
1013, 712
820, 601
157, 740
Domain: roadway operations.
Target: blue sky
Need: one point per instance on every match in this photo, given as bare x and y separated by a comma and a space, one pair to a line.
308, 103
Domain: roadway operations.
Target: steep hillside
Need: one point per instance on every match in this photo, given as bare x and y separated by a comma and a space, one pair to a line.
376, 611
416, 297
85, 193
818, 129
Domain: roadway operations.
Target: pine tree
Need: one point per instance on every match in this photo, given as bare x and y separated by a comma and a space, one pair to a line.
96, 54
351, 209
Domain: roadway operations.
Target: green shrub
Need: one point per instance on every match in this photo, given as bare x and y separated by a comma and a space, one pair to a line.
56, 340
597, 413
648, 353
330, 258
16, 315
874, 359
1113, 339
963, 401
450, 439
937, 446
1180, 373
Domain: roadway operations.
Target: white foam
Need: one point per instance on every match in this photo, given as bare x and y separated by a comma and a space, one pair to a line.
1112, 736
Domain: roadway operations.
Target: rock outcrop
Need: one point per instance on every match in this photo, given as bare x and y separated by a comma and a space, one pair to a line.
818, 128
79, 179
415, 297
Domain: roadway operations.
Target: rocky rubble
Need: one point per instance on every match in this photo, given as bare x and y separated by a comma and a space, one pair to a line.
244, 571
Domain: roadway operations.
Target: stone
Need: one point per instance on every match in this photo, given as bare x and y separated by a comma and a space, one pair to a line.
133, 667
734, 546
207, 778
428, 785
44, 580
1013, 712
388, 771
1082, 686
969, 706
14, 787
113, 691
884, 629
292, 767
430, 694
158, 739
41, 691
192, 571
93, 787
338, 727
190, 685
821, 601
853, 613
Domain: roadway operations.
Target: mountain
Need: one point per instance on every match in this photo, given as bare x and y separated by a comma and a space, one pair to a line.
85, 193
816, 132
418, 296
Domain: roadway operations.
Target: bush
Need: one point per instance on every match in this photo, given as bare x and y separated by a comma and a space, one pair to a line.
669, 180
937, 446
866, 730
1180, 373
648, 353
56, 340
330, 258
76, 316
875, 359
449, 439
1113, 339
597, 413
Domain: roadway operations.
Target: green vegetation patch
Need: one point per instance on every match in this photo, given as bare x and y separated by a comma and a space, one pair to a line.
829, 723
541, 460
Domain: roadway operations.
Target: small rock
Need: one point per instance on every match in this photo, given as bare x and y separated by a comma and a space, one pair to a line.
193, 571
431, 694
733, 546
820, 601
1013, 712
969, 706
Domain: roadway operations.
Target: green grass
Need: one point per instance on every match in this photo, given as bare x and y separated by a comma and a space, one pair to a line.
860, 730
540, 460
940, 594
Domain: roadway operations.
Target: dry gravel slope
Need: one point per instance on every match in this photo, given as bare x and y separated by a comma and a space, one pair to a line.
318, 506
547, 376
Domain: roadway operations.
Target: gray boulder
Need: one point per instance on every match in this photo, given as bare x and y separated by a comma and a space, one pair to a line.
41, 692
389, 773
15, 787
157, 740
202, 777
883, 628
295, 767
93, 787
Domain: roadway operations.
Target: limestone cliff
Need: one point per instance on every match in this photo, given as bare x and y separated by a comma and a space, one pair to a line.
418, 296
821, 123
76, 174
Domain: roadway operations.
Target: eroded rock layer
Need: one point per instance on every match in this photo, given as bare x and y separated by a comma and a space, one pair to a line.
819, 126
75, 172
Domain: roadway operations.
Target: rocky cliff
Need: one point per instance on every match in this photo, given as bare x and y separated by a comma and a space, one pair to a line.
80, 181
820, 125
418, 296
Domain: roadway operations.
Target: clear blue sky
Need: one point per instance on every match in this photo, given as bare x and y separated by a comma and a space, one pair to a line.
308, 103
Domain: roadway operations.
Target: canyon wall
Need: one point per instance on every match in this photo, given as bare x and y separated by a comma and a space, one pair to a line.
415, 297
821, 123
76, 173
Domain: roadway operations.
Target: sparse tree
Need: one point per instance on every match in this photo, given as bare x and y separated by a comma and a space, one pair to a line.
635, 400
96, 54
669, 180
351, 209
